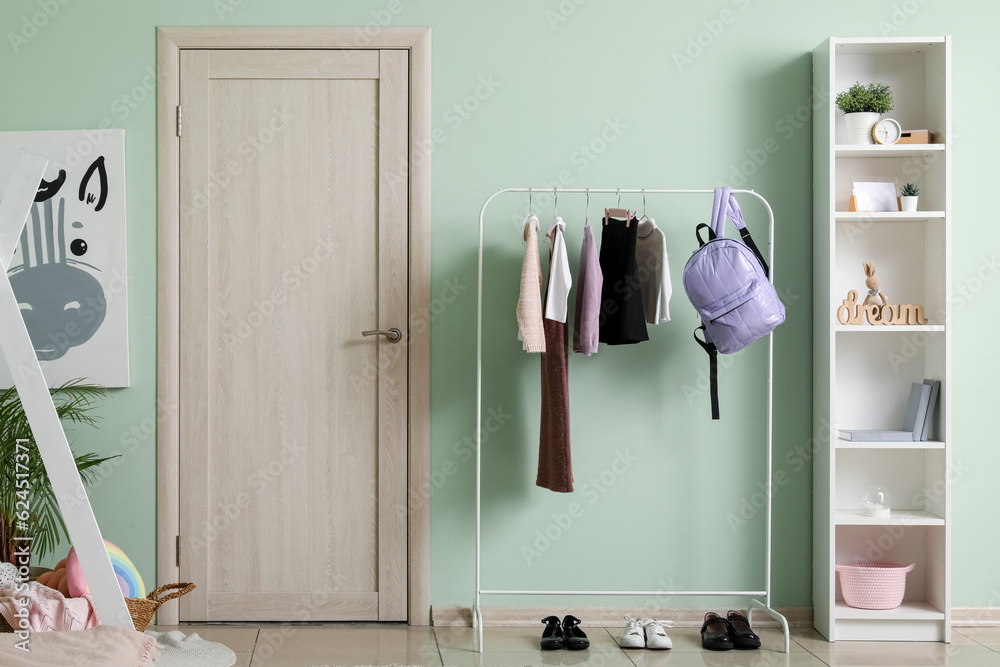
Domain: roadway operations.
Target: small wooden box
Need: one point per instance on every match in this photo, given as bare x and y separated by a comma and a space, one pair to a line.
915, 137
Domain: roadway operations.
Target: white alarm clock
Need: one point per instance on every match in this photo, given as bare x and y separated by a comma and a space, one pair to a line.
886, 131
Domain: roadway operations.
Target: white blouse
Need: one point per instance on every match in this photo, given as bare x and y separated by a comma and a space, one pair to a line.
560, 279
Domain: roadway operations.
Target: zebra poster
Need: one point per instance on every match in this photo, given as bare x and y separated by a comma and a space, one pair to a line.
69, 271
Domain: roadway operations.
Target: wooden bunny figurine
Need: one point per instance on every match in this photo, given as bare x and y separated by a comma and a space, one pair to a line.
871, 281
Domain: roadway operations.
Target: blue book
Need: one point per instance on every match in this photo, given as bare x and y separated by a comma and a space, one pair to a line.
916, 409
913, 421
935, 386
876, 435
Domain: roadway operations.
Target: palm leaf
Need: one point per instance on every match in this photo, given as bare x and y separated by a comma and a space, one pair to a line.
74, 402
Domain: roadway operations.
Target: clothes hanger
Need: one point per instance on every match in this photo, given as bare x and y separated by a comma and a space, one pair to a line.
618, 212
587, 220
551, 234
652, 222
527, 219
644, 216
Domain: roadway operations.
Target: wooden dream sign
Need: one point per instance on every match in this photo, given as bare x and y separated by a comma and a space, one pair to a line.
50, 438
850, 312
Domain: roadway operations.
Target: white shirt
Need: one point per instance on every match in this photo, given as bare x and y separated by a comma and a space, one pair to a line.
560, 279
654, 272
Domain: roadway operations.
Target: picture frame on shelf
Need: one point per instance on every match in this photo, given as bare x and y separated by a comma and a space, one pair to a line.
874, 197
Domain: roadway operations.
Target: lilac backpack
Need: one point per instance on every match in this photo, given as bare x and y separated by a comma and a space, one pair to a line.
727, 281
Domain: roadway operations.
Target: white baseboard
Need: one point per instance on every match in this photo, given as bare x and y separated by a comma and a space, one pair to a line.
975, 616
798, 617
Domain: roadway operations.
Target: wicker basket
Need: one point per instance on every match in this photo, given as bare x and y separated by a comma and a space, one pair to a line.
873, 584
140, 609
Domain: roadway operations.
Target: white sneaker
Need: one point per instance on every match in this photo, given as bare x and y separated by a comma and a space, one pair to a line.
633, 635
656, 636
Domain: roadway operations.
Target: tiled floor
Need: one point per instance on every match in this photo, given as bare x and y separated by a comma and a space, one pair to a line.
315, 646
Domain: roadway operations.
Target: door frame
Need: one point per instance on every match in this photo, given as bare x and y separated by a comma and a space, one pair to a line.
169, 43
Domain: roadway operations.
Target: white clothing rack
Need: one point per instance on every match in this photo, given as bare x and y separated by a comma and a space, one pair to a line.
765, 606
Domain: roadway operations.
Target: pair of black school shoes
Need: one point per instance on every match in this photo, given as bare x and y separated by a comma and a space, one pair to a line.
722, 634
566, 634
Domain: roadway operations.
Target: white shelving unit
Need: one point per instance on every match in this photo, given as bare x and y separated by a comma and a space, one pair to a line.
862, 373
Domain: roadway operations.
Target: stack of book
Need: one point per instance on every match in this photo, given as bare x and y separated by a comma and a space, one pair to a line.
916, 422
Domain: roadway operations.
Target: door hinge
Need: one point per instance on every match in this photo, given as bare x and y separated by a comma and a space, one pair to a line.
178, 120
177, 549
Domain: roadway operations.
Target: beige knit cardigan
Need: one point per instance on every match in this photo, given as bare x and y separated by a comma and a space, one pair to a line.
529, 302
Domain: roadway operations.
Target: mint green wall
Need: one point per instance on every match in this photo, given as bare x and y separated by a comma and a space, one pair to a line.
589, 93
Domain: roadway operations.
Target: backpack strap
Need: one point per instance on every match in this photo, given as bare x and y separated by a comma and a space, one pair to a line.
736, 216
724, 206
713, 368
697, 233
719, 207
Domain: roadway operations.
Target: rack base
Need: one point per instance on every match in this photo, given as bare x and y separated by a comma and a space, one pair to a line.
477, 612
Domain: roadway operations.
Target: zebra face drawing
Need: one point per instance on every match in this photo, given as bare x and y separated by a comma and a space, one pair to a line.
63, 305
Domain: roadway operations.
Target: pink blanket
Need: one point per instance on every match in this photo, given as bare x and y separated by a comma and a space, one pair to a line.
103, 646
48, 609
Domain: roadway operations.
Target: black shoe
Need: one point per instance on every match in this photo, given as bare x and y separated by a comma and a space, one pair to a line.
740, 632
552, 635
715, 633
576, 639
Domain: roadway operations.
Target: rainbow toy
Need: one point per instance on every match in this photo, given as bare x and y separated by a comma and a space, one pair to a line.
128, 577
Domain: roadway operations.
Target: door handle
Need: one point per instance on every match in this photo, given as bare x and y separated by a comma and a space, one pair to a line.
393, 335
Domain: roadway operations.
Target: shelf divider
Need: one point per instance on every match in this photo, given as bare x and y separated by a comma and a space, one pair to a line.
888, 328
896, 518
894, 150
910, 610
923, 444
888, 216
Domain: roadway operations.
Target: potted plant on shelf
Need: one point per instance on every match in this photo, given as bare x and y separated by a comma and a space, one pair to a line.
74, 403
908, 197
862, 105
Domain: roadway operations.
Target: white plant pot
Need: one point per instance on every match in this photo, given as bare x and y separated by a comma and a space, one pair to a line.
859, 127
909, 203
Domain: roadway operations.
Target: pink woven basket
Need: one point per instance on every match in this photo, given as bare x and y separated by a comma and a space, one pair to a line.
873, 584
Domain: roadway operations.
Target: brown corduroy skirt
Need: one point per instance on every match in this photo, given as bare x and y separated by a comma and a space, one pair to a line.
555, 466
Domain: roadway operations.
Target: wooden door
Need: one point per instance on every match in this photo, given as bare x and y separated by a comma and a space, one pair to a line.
293, 451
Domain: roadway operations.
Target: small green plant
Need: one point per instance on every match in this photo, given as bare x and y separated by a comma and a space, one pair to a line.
874, 98
74, 403
909, 190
